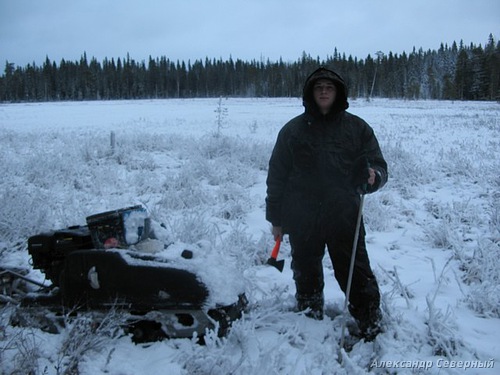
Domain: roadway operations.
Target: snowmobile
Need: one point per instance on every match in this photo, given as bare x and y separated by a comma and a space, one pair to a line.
118, 263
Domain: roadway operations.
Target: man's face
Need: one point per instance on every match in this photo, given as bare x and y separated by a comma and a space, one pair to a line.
325, 93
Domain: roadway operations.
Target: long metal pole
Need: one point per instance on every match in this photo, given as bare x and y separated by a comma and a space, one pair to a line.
351, 271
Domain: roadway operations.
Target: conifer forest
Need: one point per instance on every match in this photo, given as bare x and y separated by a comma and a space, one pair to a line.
456, 72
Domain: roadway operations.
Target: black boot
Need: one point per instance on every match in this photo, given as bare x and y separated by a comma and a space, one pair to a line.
313, 303
370, 327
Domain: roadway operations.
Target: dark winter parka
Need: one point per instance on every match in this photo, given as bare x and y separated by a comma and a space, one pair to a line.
311, 167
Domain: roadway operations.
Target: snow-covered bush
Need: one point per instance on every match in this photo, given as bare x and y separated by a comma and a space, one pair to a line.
84, 334
24, 211
192, 226
441, 329
247, 250
406, 169
455, 228
233, 201
482, 273
379, 211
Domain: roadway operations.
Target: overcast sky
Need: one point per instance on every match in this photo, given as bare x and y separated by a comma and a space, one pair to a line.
186, 30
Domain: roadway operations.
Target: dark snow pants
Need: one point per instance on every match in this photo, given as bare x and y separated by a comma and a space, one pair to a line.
307, 257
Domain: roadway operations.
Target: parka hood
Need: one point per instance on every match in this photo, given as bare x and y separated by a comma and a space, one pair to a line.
340, 103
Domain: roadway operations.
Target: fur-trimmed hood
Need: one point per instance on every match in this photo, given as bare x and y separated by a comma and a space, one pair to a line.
340, 103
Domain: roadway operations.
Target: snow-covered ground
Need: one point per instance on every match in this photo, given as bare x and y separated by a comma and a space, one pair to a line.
199, 166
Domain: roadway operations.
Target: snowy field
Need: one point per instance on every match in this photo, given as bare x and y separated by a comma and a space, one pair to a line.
199, 166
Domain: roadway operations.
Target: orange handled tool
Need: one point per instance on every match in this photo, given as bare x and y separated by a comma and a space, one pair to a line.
279, 264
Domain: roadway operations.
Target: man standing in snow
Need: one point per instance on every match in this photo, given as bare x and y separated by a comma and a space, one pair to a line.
322, 161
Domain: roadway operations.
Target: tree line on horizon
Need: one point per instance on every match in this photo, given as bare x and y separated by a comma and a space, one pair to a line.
456, 72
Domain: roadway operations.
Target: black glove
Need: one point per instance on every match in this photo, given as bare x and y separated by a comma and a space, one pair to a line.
378, 179
360, 175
